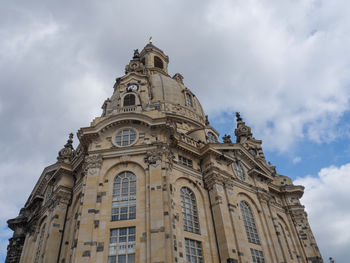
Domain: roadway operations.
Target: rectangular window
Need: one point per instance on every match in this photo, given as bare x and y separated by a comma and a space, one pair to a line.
257, 256
122, 244
189, 100
193, 251
185, 161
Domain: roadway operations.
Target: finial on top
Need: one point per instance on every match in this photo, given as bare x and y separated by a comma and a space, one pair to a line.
69, 143
136, 54
227, 138
238, 116
150, 40
66, 153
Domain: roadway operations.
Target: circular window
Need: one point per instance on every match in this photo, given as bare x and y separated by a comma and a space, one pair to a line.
239, 172
125, 137
212, 138
252, 151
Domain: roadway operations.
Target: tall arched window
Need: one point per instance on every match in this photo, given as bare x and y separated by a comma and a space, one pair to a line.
158, 63
40, 244
124, 197
189, 211
129, 100
249, 223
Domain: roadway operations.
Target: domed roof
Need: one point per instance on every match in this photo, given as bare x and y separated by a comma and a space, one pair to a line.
175, 95
153, 88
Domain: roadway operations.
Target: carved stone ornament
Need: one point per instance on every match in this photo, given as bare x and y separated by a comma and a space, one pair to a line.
227, 138
93, 162
135, 64
67, 152
265, 197
178, 77
211, 179
153, 156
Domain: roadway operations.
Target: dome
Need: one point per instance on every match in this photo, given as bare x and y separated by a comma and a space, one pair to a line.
176, 97
147, 86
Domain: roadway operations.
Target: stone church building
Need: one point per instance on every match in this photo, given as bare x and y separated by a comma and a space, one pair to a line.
151, 182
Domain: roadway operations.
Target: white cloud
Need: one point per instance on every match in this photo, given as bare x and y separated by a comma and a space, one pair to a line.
297, 160
327, 202
283, 67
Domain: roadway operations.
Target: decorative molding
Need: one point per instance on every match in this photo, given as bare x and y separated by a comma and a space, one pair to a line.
155, 155
92, 165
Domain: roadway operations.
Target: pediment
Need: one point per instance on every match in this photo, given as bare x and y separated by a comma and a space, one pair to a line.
131, 77
238, 152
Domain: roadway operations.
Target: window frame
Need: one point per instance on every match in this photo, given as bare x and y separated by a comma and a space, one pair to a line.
157, 60
249, 223
189, 209
129, 94
189, 100
124, 201
114, 138
190, 248
185, 161
257, 256
120, 245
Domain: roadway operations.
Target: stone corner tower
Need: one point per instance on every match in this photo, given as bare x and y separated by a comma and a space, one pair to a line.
151, 182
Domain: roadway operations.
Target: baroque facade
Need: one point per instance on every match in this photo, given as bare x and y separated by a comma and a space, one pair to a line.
150, 182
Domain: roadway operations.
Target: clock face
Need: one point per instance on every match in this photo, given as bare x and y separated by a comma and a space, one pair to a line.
133, 87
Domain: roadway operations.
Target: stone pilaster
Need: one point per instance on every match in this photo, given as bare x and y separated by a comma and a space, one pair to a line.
84, 250
61, 200
270, 234
215, 184
157, 242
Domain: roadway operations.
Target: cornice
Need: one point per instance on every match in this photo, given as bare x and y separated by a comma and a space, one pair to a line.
187, 170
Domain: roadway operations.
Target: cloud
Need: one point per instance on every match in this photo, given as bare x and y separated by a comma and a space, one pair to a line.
288, 68
327, 201
296, 160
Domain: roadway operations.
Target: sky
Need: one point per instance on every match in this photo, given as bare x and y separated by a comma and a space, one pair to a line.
283, 64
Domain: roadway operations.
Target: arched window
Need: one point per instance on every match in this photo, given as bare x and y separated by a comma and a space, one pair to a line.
189, 100
212, 138
249, 223
189, 211
129, 100
124, 197
158, 63
143, 61
40, 244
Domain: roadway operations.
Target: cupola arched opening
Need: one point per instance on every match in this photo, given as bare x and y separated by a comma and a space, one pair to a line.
158, 63
143, 61
129, 100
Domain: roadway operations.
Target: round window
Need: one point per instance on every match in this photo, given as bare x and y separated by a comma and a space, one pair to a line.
239, 172
212, 138
125, 137
252, 151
